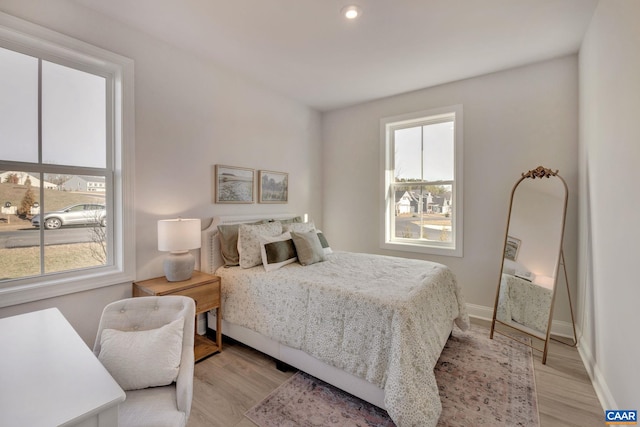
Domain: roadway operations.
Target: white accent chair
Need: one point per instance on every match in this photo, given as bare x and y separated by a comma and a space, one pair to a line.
155, 406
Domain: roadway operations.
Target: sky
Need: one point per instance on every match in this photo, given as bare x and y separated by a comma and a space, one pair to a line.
73, 113
437, 147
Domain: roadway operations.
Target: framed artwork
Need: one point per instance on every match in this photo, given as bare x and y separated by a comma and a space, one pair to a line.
274, 187
234, 185
511, 248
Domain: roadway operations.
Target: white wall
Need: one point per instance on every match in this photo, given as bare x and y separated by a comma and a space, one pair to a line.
514, 121
610, 201
536, 219
190, 115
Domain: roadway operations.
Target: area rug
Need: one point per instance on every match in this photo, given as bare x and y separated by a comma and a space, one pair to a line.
482, 382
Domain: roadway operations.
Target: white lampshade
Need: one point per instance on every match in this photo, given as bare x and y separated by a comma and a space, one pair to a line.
177, 235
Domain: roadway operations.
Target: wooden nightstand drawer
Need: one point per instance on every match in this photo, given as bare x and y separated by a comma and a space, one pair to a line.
206, 296
205, 291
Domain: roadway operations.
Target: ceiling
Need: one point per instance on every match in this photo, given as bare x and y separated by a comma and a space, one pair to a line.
306, 50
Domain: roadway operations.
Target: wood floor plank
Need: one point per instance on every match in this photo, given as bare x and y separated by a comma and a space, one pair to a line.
229, 383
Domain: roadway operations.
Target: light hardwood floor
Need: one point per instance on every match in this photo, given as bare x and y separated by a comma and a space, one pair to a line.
229, 383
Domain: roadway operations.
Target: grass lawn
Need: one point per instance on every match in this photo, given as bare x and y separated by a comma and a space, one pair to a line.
23, 262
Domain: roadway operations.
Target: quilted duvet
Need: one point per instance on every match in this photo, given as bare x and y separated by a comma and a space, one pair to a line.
384, 319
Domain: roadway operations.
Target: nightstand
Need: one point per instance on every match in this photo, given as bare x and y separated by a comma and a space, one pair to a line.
205, 290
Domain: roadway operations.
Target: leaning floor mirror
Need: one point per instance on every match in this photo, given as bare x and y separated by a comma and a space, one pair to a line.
532, 260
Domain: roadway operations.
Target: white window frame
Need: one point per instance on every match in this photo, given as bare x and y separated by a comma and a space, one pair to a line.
387, 226
22, 36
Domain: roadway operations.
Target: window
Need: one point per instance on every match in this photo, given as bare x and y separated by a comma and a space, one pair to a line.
66, 131
422, 182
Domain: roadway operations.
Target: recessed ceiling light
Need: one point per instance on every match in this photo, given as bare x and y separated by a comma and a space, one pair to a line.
351, 12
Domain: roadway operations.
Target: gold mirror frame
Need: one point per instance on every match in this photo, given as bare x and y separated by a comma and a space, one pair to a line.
541, 173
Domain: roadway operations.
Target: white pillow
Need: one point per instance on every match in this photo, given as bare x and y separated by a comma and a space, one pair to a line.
299, 227
277, 251
510, 267
141, 359
249, 241
517, 269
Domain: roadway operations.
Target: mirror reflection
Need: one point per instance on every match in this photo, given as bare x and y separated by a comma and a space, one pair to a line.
531, 255
532, 259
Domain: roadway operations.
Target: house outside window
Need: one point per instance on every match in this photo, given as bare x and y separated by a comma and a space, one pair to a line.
66, 131
422, 182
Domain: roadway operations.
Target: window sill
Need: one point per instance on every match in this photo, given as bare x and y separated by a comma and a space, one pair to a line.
40, 288
422, 249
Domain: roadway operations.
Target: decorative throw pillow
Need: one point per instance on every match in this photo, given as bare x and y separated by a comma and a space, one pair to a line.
324, 243
249, 241
141, 359
277, 251
228, 235
308, 247
299, 227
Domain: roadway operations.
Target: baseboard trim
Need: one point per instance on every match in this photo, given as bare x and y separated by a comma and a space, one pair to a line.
595, 375
480, 312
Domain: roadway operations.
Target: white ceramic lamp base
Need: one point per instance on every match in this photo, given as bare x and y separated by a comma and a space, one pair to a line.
178, 266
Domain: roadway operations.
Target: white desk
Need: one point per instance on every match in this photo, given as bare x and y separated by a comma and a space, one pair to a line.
49, 377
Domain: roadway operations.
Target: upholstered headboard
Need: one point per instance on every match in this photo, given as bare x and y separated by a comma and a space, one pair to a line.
210, 254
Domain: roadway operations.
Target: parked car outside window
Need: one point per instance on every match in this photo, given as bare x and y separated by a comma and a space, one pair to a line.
81, 214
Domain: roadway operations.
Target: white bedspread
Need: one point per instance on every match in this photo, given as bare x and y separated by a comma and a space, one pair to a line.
384, 319
524, 302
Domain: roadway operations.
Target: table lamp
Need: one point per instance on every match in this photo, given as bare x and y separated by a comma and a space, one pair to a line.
178, 236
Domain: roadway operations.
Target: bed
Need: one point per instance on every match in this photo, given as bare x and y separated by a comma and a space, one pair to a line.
371, 325
525, 302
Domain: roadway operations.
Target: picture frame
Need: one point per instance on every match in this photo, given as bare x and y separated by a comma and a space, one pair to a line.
511, 248
234, 184
274, 187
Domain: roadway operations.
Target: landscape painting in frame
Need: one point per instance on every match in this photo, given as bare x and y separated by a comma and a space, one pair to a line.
234, 185
512, 248
274, 187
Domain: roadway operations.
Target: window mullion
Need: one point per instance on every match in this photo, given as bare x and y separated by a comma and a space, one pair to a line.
41, 174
